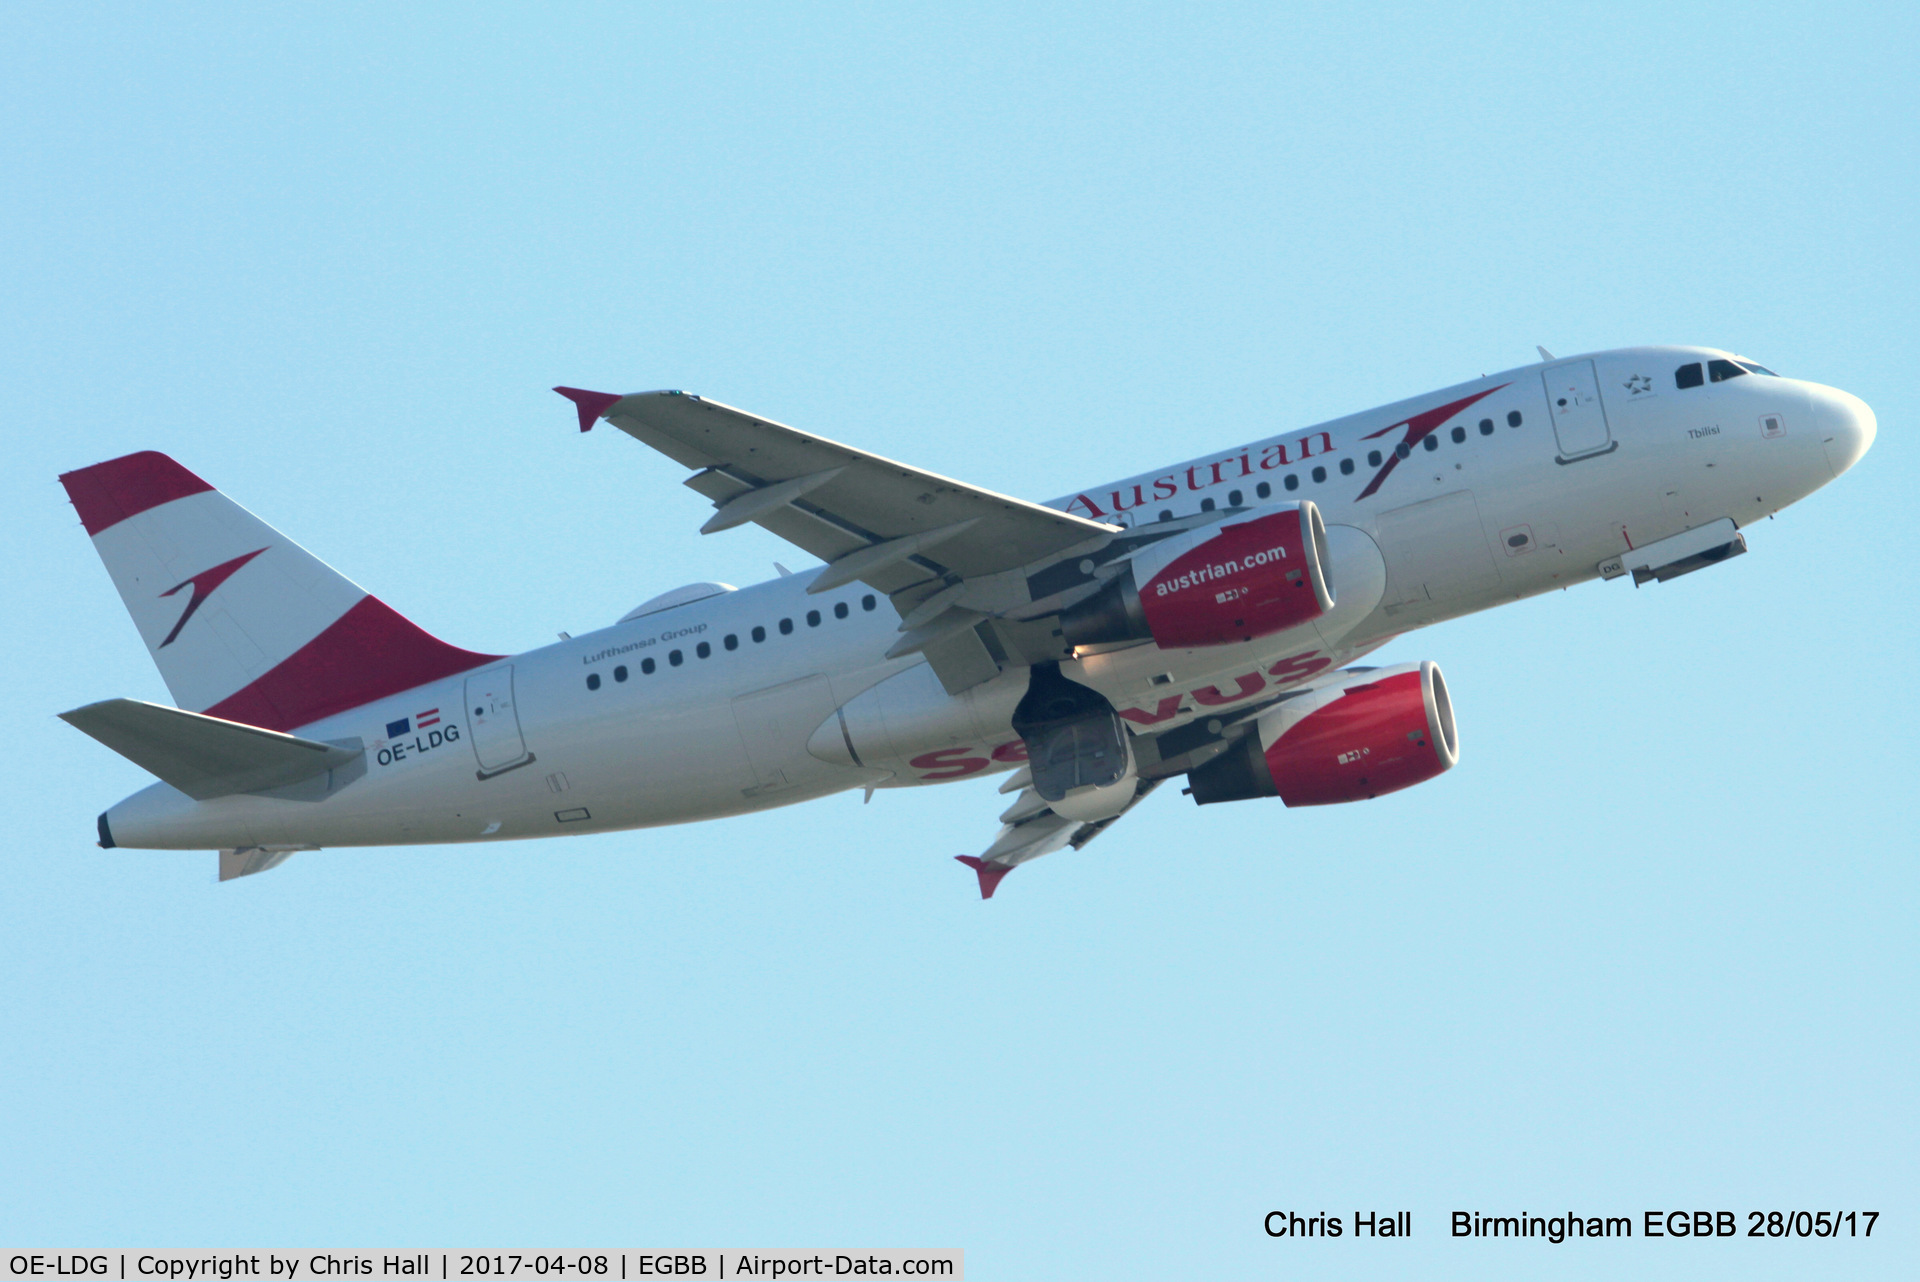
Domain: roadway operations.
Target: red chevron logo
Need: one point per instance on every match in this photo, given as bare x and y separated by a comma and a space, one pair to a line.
1419, 427
203, 585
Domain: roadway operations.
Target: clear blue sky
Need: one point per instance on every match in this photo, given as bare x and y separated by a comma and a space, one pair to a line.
1651, 945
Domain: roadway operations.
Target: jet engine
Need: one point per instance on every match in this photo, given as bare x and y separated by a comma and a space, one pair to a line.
1215, 585
1371, 732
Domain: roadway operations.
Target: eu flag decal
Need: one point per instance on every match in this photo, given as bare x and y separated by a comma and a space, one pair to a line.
397, 728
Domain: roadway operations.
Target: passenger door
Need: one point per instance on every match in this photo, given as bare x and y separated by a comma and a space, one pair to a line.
1579, 419
495, 724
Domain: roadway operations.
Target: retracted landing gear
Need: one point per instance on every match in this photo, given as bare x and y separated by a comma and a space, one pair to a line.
1077, 746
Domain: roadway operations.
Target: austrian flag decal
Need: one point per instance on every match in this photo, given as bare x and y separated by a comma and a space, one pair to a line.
418, 721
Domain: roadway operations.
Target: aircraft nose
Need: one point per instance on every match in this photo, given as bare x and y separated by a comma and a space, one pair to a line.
1847, 427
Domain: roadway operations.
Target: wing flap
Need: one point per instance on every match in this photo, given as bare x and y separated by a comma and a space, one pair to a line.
206, 757
961, 661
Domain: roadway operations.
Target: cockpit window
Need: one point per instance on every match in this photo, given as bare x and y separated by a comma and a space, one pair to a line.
1687, 376
1721, 371
1751, 368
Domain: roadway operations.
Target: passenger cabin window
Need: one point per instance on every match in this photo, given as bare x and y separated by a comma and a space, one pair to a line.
1721, 371
1486, 427
1319, 475
786, 627
1292, 482
1459, 435
1166, 516
1233, 499
840, 609
703, 650
675, 658
1263, 490
1373, 458
1346, 467
1687, 376
759, 634
1431, 443
620, 673
1403, 449
731, 641
1513, 418
867, 602
593, 680
647, 666
813, 618
1206, 505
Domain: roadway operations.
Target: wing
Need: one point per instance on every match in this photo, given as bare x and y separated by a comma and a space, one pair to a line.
950, 555
1029, 830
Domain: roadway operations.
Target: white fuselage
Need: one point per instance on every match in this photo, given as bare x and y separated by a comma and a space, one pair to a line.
690, 717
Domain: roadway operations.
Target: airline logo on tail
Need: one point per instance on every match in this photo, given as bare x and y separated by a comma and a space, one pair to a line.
203, 585
306, 643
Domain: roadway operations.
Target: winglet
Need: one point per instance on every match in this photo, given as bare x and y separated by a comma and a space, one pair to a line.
590, 404
989, 874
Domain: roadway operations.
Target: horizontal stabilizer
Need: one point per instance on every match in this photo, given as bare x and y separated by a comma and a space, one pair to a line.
204, 756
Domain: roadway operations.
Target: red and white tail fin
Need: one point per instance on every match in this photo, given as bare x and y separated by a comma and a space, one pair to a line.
243, 622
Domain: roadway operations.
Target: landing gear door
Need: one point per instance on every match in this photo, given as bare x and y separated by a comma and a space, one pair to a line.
1579, 420
495, 724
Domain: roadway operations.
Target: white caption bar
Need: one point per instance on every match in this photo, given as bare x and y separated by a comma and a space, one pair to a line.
478, 1266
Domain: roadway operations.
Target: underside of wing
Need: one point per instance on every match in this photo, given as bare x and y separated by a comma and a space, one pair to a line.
1029, 829
951, 556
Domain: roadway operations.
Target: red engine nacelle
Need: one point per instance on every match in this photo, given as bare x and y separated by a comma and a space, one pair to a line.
1214, 586
1375, 733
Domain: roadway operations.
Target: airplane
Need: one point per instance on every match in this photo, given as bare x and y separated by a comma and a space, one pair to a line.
1202, 620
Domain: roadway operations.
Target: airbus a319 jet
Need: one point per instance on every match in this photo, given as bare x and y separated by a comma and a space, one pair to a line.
1201, 621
